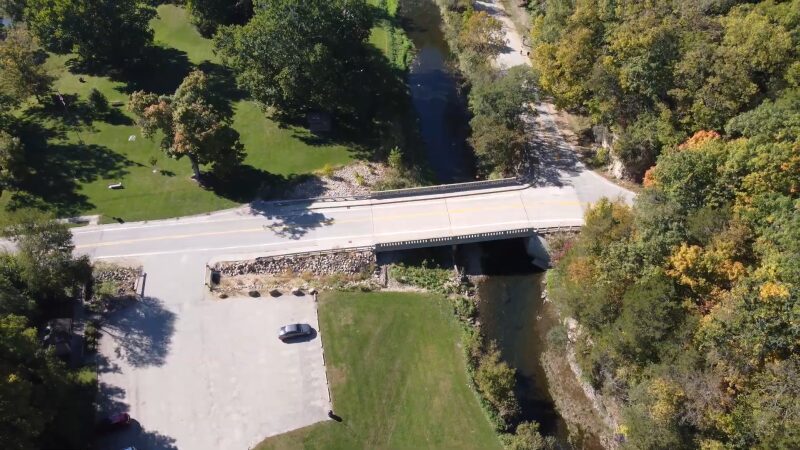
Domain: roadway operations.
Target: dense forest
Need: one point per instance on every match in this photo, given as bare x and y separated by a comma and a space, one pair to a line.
43, 403
657, 71
688, 302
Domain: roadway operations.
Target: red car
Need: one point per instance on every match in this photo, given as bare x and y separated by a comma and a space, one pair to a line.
114, 422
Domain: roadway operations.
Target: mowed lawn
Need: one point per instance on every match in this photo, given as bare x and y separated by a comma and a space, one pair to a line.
75, 157
398, 378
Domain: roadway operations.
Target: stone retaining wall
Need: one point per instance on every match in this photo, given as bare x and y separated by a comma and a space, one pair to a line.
123, 277
319, 264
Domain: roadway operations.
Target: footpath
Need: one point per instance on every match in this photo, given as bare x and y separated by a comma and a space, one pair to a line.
558, 163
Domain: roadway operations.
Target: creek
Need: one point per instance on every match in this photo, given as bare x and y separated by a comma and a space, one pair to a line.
440, 107
511, 308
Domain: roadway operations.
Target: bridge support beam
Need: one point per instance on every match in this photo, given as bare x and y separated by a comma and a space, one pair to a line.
537, 249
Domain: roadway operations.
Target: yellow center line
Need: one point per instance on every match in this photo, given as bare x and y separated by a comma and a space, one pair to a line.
176, 236
465, 210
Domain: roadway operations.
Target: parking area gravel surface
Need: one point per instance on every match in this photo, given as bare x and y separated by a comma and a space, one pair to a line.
196, 372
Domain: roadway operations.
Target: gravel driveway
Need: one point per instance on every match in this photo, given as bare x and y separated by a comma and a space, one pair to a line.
201, 373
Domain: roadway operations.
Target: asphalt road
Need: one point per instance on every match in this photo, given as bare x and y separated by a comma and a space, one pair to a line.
261, 229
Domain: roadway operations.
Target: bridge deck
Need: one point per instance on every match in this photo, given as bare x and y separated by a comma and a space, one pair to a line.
404, 222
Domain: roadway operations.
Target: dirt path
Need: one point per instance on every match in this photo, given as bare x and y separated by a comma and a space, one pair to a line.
515, 53
557, 162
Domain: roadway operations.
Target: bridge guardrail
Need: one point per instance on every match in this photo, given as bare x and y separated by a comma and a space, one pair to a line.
407, 192
473, 237
443, 188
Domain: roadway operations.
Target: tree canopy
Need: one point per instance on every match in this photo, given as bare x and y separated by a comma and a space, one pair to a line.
300, 56
657, 72
22, 71
192, 125
100, 32
208, 15
689, 301
35, 387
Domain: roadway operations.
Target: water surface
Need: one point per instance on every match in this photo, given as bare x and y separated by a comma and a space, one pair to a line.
442, 113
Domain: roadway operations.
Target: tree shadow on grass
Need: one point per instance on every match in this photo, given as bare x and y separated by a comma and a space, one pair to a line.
74, 114
159, 70
142, 332
375, 115
248, 183
56, 170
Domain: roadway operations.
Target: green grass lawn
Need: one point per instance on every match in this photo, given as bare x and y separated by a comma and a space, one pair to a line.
72, 178
398, 378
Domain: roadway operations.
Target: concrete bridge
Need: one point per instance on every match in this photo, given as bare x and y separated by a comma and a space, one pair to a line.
390, 220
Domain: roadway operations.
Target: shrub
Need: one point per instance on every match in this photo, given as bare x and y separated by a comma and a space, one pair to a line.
327, 170
473, 347
105, 290
557, 337
600, 158
464, 307
91, 336
496, 380
396, 159
527, 437
426, 276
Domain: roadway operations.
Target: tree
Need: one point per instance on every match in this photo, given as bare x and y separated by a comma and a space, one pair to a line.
507, 97
192, 126
31, 384
770, 121
495, 379
481, 37
768, 416
499, 148
565, 68
14, 9
14, 298
12, 157
208, 15
650, 313
45, 255
640, 144
527, 437
300, 56
22, 70
99, 31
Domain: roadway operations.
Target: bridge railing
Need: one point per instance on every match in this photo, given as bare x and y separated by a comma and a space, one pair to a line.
409, 192
446, 188
472, 237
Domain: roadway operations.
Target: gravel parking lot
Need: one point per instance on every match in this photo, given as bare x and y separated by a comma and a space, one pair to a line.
201, 373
